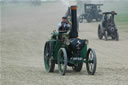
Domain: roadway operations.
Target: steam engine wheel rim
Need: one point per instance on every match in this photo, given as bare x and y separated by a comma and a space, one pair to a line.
91, 61
48, 59
62, 61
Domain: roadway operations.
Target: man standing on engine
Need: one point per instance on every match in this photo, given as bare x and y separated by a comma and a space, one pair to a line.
64, 25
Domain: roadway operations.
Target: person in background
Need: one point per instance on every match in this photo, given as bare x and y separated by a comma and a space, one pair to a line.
105, 21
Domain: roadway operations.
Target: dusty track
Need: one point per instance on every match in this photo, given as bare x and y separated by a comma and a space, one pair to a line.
25, 29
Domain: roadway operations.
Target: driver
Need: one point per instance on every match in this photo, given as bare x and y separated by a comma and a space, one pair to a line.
110, 20
105, 20
64, 25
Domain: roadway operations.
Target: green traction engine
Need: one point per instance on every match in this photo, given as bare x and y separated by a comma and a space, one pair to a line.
69, 50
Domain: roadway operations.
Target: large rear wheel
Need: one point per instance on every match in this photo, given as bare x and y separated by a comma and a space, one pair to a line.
62, 61
91, 64
48, 59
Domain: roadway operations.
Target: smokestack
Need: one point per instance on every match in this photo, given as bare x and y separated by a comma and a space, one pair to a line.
74, 32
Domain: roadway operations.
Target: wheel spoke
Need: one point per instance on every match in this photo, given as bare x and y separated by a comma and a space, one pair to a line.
91, 61
91, 56
91, 67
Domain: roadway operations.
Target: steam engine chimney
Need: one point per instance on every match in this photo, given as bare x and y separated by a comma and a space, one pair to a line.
74, 32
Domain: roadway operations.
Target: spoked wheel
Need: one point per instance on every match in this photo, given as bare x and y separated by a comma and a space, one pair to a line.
78, 67
48, 59
100, 35
106, 35
91, 64
62, 61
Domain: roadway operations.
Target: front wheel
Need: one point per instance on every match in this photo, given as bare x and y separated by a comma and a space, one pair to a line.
91, 61
62, 61
48, 59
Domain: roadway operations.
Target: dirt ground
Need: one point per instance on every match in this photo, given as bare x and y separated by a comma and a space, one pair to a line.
26, 28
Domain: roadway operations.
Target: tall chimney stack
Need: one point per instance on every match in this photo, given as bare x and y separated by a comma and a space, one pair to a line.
74, 32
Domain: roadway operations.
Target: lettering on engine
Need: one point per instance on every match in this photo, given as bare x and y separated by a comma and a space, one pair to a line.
76, 58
